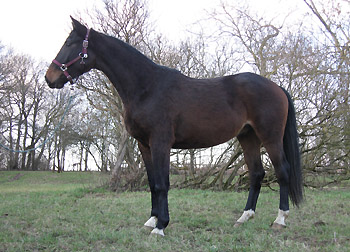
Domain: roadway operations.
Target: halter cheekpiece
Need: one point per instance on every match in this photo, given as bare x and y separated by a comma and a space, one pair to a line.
82, 55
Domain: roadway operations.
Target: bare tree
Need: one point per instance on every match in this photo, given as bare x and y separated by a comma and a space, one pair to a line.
27, 112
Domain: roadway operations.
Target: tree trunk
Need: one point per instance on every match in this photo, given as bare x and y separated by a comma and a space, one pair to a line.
81, 155
86, 159
192, 162
115, 178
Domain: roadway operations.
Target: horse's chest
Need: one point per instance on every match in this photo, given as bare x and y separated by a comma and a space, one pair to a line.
136, 127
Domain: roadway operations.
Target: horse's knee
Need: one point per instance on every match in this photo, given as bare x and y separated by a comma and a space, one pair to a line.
160, 188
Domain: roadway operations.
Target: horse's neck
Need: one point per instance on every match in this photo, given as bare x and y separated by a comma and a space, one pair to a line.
128, 70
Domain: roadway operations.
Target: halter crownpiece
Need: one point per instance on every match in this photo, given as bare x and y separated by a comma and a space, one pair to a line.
82, 55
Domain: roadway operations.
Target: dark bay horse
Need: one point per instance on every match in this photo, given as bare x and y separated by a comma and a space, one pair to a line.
165, 109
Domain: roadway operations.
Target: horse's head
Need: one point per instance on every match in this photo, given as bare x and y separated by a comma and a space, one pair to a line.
74, 58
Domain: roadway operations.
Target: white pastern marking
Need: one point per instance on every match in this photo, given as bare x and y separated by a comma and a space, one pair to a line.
158, 231
247, 215
152, 222
282, 216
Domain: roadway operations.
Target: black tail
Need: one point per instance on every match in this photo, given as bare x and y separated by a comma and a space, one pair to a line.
291, 150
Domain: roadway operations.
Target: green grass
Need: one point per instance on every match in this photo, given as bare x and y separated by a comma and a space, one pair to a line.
26, 181
43, 211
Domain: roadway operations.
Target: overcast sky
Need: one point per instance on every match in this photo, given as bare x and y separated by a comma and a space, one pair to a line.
39, 27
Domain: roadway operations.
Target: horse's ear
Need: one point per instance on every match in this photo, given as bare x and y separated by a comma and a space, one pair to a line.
78, 27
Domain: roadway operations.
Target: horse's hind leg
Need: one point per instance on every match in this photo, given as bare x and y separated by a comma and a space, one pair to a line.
282, 170
251, 149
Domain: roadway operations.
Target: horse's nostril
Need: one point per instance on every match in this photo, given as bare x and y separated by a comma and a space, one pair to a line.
49, 82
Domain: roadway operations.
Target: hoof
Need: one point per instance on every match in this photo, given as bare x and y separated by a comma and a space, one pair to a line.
151, 223
238, 224
157, 231
246, 216
276, 226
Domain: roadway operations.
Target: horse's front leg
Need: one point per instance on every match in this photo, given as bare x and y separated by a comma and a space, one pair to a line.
161, 162
147, 159
158, 176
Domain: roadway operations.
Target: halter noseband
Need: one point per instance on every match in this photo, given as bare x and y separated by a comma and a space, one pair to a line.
82, 55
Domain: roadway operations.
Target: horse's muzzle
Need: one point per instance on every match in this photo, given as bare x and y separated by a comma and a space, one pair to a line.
55, 84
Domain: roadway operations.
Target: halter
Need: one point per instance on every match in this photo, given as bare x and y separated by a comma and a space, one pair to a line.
82, 55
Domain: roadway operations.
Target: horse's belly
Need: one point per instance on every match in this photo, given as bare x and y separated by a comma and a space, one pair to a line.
205, 134
196, 144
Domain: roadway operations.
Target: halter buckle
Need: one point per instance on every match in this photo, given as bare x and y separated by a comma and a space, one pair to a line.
85, 43
83, 55
64, 67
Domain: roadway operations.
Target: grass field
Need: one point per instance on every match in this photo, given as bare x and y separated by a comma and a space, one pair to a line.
43, 211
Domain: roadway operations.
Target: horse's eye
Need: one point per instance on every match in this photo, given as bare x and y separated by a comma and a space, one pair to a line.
69, 42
